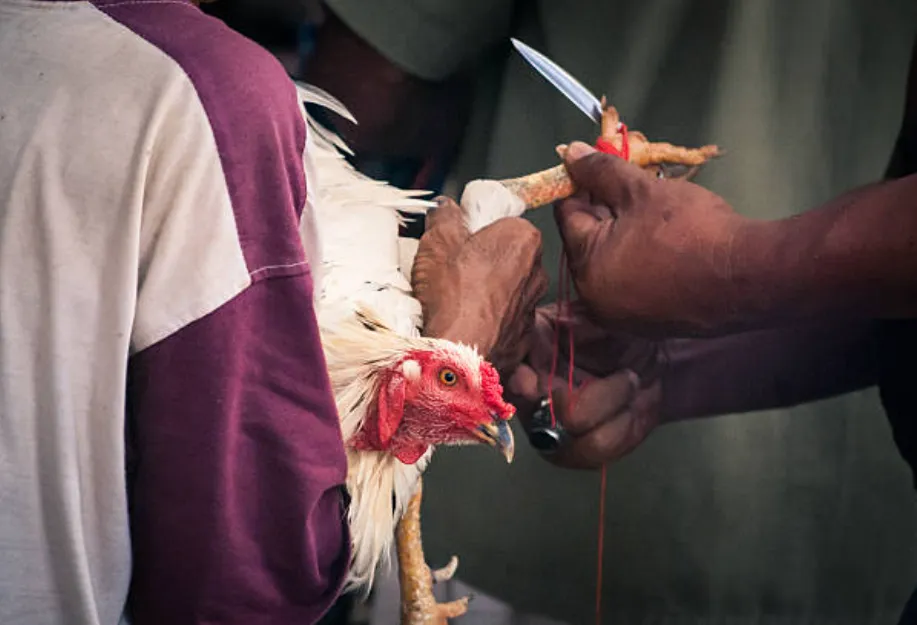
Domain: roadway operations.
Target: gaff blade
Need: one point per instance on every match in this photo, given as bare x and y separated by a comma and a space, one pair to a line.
562, 81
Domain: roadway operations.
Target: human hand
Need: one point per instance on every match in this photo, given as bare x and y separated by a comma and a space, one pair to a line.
649, 254
480, 289
616, 387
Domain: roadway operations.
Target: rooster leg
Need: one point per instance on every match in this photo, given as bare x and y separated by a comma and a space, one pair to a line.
551, 185
554, 184
542, 187
418, 605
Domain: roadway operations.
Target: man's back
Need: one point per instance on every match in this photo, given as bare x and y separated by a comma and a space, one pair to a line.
149, 258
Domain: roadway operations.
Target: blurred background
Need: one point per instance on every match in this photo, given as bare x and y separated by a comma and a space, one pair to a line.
791, 516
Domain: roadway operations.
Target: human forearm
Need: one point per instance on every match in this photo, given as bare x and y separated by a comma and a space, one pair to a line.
855, 257
765, 369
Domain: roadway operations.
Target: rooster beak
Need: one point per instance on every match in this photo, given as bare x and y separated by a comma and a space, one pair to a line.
498, 434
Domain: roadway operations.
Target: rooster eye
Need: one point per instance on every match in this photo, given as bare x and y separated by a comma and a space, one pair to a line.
448, 377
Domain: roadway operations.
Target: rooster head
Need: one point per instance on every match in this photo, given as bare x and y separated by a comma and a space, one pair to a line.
443, 395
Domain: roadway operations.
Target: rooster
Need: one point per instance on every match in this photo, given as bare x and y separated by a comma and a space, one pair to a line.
398, 394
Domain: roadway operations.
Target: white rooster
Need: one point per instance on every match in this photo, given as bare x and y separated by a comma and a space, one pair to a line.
398, 394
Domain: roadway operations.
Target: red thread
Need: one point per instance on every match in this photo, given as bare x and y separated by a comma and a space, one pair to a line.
563, 311
604, 145
564, 315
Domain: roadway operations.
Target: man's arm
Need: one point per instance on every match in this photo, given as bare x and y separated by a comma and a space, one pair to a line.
236, 466
612, 410
676, 258
856, 256
765, 369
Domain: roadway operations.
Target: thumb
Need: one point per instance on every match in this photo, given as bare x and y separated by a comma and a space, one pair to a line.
447, 213
608, 179
448, 221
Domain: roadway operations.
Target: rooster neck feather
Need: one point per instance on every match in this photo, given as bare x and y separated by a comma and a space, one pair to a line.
358, 349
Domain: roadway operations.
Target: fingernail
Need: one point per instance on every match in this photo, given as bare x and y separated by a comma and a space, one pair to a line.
634, 380
561, 149
578, 150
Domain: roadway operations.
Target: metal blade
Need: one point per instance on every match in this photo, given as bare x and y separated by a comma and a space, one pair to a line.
562, 81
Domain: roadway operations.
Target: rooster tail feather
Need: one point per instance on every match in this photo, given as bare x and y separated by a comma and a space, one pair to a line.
347, 185
315, 95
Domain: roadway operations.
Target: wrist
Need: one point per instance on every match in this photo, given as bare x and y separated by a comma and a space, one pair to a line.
764, 279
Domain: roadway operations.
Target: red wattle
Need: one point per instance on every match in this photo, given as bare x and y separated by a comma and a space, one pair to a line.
409, 454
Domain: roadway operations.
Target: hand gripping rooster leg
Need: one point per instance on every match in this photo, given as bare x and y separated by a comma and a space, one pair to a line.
551, 185
418, 605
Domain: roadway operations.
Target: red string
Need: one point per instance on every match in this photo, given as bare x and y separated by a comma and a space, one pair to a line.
564, 316
603, 145
563, 312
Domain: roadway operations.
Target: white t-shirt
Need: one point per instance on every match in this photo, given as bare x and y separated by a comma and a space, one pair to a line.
166, 422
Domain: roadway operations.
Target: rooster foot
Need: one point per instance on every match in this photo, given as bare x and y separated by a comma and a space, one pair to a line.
418, 605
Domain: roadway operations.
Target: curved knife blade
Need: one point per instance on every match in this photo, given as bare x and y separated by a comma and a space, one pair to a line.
562, 81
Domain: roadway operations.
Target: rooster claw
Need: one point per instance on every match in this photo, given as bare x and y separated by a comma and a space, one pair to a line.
453, 609
445, 573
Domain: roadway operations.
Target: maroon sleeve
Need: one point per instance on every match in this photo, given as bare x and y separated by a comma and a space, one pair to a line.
236, 476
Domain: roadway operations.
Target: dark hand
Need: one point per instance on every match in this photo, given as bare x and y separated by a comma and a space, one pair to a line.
480, 289
617, 388
649, 254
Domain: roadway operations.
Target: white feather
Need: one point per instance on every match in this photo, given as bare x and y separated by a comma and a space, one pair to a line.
486, 201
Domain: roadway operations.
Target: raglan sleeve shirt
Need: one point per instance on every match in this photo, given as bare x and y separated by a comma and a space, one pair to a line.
236, 483
191, 185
